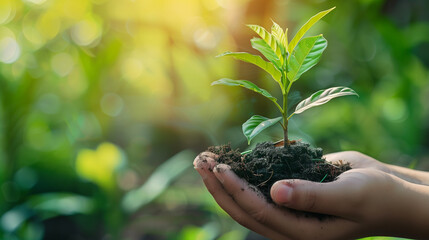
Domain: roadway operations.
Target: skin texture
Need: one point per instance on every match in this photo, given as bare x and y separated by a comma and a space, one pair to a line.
372, 199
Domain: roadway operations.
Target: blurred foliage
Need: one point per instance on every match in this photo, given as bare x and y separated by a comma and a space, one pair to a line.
104, 104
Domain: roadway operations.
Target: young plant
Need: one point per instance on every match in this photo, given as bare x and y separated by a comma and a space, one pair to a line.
287, 61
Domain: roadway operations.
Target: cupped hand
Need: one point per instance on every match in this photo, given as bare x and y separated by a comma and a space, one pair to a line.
362, 202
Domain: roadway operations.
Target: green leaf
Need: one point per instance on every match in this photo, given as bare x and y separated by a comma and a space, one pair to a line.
256, 60
257, 124
323, 96
314, 19
305, 56
269, 39
263, 48
279, 35
246, 84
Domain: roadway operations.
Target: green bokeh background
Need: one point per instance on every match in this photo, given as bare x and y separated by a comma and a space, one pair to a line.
105, 103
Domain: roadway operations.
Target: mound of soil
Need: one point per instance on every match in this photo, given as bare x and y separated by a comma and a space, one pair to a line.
267, 164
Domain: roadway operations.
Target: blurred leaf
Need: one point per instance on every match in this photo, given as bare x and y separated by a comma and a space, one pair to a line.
382, 238
292, 99
266, 50
46, 206
256, 60
234, 235
269, 39
193, 232
13, 218
257, 124
305, 56
54, 204
158, 181
314, 19
416, 33
323, 96
246, 84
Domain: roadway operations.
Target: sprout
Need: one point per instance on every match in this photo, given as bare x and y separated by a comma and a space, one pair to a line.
287, 61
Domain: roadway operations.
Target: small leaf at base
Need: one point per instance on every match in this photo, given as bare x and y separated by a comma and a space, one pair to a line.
257, 124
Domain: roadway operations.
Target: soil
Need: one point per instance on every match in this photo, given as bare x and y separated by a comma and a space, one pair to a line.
267, 164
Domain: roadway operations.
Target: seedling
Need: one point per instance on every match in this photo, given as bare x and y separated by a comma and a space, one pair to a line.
287, 61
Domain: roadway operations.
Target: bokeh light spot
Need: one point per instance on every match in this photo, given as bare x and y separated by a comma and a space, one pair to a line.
62, 64
132, 69
26, 177
86, 32
48, 25
395, 110
112, 104
9, 50
75, 9
38, 2
205, 39
30, 32
7, 11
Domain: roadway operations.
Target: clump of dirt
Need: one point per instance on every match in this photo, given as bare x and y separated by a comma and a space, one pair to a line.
267, 164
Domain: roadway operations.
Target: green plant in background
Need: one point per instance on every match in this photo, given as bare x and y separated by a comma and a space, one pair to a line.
287, 61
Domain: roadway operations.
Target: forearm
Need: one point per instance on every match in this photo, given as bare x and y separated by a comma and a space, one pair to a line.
410, 175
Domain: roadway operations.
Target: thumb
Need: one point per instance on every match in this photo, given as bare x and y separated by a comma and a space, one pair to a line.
326, 198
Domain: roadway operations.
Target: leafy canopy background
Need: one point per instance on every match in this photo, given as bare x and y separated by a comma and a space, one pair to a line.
105, 103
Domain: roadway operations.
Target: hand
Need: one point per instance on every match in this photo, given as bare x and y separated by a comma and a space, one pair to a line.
364, 201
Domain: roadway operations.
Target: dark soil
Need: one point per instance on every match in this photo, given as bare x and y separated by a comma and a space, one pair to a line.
267, 164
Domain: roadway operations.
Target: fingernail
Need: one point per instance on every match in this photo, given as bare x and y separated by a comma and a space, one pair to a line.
282, 193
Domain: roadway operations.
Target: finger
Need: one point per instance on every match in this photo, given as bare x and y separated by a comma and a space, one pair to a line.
227, 203
282, 220
343, 157
205, 160
357, 160
332, 198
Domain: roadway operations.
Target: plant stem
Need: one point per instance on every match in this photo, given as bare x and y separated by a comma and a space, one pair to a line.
286, 139
278, 106
285, 121
285, 95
